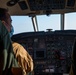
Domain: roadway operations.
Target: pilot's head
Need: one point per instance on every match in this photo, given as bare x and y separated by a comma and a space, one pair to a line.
5, 18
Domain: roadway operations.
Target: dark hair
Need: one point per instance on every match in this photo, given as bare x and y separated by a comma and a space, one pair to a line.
3, 13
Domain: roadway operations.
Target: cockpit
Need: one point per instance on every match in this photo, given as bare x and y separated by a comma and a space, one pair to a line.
50, 49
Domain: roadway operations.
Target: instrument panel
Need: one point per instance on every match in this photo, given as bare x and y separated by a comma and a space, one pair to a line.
51, 51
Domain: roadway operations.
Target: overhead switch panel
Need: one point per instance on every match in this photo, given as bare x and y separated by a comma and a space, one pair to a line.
46, 4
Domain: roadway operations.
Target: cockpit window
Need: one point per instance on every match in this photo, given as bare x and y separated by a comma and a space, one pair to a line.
53, 21
48, 22
22, 24
70, 21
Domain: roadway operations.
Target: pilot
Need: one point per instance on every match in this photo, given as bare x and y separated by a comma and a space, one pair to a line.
6, 50
12, 57
73, 65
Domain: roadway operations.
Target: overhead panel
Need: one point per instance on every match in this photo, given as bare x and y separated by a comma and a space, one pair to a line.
46, 4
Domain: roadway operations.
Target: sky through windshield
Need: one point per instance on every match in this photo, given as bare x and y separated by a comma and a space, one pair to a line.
24, 23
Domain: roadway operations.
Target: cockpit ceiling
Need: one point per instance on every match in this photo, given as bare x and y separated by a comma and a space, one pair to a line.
38, 7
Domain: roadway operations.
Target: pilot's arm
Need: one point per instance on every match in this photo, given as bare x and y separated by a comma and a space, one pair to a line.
25, 61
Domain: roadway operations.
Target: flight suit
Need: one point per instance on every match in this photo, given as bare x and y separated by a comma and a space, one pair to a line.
6, 51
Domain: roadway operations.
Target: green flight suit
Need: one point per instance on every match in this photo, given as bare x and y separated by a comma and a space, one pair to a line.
6, 51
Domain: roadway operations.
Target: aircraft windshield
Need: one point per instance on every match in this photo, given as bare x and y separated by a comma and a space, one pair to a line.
24, 23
